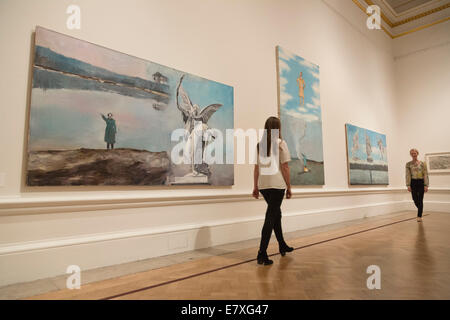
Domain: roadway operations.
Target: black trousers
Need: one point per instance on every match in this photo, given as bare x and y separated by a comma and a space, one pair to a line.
417, 192
274, 198
110, 144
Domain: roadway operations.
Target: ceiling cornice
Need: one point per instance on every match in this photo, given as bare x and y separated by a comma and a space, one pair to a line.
418, 16
390, 26
383, 16
422, 7
424, 14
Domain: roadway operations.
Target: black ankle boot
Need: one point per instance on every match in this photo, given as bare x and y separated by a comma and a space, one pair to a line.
263, 258
285, 248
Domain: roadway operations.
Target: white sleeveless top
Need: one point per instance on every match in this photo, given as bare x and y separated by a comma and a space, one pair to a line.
270, 173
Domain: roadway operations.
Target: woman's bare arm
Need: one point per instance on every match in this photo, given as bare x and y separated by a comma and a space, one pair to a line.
255, 182
285, 171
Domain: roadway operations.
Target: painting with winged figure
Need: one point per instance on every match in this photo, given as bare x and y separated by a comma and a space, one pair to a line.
301, 117
101, 117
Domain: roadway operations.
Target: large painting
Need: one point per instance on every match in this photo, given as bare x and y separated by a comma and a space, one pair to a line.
438, 162
301, 117
101, 117
367, 156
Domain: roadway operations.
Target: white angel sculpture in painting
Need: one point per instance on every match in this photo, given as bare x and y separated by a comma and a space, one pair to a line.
195, 125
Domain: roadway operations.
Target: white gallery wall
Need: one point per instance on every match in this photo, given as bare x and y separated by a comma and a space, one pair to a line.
45, 229
422, 70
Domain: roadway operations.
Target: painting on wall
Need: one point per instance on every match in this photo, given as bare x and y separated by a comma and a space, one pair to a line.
366, 156
101, 117
301, 117
438, 162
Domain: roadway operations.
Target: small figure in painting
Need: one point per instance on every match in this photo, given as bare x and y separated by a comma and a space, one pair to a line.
305, 169
355, 146
110, 131
381, 147
301, 88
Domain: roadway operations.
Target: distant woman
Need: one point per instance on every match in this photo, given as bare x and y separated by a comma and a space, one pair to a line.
272, 180
110, 131
417, 181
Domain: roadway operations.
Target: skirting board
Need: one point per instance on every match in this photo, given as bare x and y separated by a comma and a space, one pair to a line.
38, 260
436, 206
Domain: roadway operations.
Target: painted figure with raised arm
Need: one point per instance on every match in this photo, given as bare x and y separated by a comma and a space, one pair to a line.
110, 130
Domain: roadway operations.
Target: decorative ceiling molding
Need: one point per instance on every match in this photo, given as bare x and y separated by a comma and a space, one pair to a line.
418, 16
364, 10
383, 16
414, 10
414, 19
424, 14
421, 27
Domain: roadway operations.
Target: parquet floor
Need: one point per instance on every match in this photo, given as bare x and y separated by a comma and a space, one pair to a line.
414, 259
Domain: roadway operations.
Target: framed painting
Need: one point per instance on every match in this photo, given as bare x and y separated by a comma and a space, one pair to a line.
301, 117
366, 156
102, 117
438, 162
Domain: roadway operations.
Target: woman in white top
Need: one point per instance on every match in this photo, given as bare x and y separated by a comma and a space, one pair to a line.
271, 178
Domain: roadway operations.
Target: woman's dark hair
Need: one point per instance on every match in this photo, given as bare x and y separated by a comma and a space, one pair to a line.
271, 123
109, 114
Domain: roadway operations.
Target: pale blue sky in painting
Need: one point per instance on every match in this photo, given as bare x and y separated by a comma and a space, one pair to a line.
290, 66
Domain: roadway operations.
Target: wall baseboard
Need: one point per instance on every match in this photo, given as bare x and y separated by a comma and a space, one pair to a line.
23, 262
437, 206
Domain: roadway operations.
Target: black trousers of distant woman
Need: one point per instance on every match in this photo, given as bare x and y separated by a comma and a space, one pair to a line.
274, 198
417, 192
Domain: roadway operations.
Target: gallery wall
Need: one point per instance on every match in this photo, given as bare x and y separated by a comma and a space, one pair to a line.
43, 230
235, 47
422, 70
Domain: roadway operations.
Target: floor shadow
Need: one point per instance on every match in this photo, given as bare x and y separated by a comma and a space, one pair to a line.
203, 238
423, 260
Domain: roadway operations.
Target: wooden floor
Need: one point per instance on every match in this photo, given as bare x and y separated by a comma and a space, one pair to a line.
414, 259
